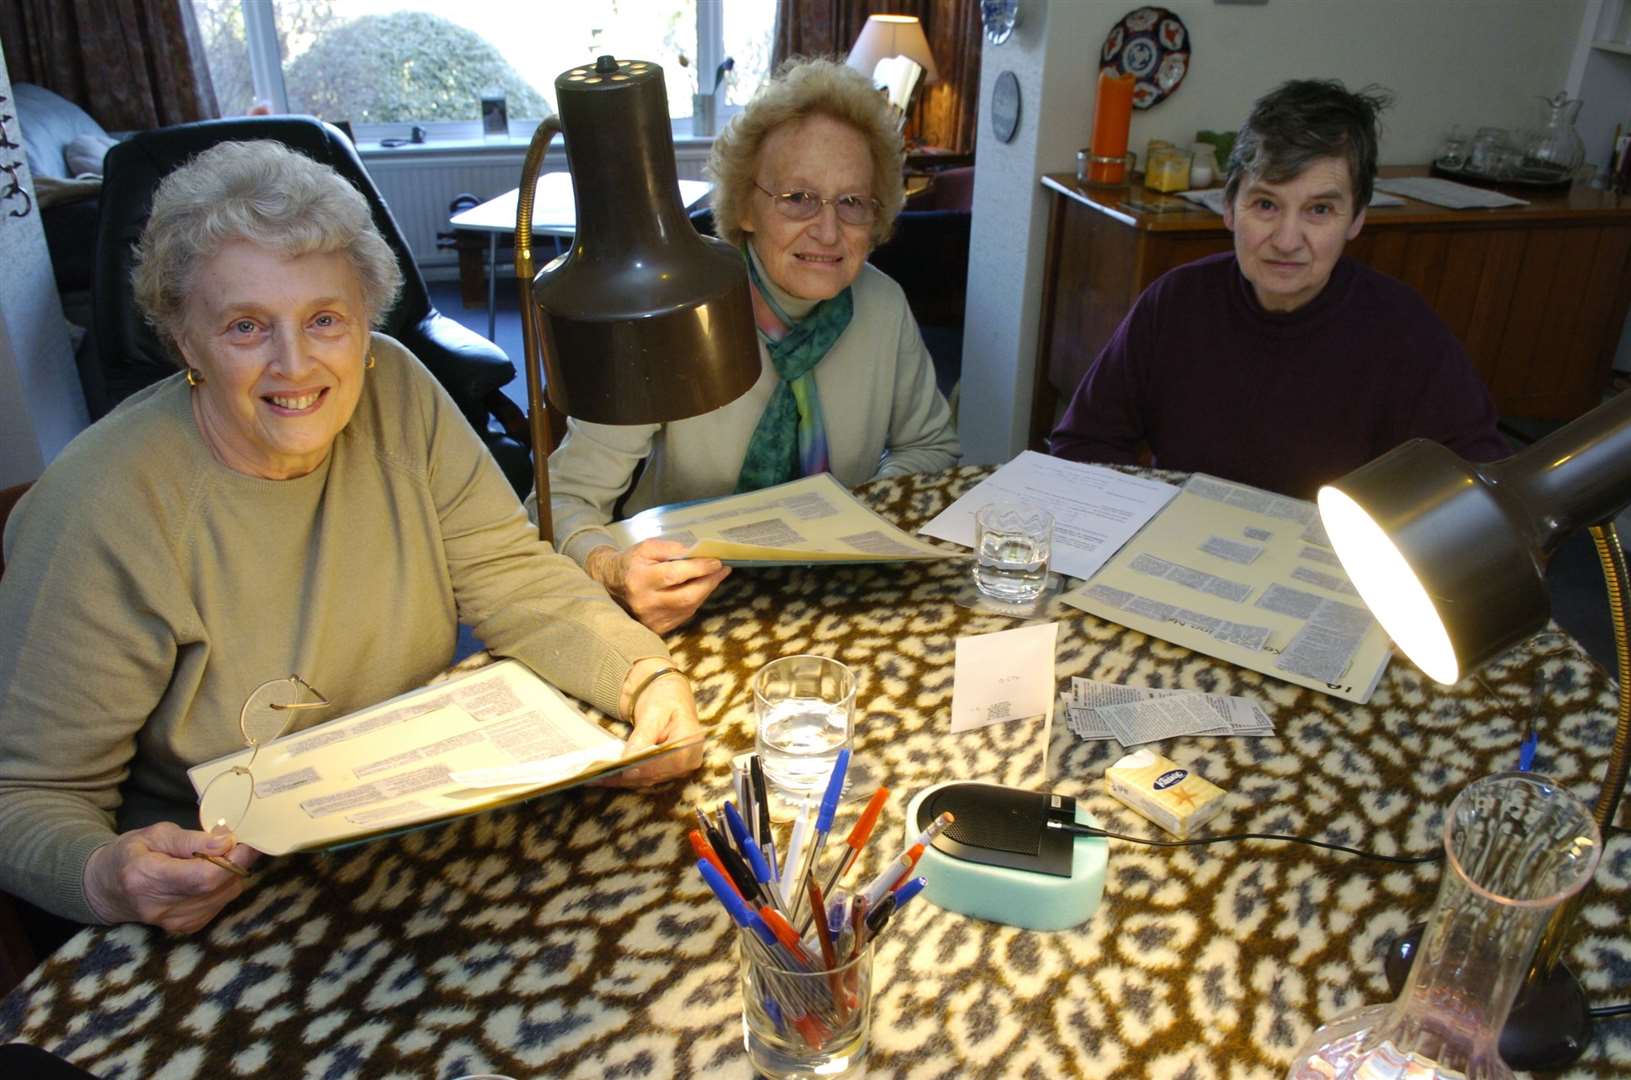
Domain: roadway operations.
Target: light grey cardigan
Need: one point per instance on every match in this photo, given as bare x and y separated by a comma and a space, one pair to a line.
882, 412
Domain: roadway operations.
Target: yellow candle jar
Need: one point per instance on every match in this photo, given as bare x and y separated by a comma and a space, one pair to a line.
1168, 170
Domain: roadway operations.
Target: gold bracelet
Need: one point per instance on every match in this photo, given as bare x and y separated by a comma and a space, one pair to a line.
634, 698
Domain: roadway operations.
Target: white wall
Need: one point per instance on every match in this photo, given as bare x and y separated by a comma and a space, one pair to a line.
1473, 62
41, 405
1011, 217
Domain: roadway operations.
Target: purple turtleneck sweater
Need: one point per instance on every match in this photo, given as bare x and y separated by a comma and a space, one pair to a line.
1206, 378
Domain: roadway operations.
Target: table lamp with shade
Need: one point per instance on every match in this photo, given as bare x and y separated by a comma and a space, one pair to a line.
892, 51
1449, 556
643, 320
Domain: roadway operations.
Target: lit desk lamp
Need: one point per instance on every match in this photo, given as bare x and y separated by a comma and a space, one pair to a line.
644, 320
885, 42
1449, 557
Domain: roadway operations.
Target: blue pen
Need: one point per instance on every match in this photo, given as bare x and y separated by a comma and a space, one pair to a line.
756, 859
749, 920
744, 916
829, 806
909, 890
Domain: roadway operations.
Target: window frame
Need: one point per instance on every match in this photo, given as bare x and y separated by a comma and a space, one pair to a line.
266, 73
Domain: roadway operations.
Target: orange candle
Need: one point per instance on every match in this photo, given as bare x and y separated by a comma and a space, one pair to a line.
1112, 117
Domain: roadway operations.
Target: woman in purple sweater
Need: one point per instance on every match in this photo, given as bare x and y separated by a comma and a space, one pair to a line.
1283, 364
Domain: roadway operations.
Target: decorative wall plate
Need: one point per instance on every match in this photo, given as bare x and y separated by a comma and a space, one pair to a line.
1152, 45
999, 17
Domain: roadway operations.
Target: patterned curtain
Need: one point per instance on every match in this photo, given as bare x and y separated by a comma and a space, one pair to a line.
945, 114
131, 64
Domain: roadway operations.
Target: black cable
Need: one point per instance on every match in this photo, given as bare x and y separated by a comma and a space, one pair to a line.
1611, 1010
1088, 830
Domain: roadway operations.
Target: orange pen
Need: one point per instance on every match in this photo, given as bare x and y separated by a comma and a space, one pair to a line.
856, 840
785, 934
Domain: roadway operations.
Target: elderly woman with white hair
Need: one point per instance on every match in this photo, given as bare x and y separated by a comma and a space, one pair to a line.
808, 182
301, 497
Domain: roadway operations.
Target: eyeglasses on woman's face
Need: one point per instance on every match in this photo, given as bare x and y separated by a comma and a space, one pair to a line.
852, 209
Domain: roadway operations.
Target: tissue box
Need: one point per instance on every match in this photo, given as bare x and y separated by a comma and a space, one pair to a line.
1179, 800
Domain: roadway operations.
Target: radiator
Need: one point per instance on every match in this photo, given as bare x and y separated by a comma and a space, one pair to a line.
418, 184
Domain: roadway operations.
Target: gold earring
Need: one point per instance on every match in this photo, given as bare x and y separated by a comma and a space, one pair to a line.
194, 379
369, 366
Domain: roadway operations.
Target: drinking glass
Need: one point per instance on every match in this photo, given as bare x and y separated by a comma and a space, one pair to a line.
1013, 543
1488, 147
1452, 152
806, 711
803, 1022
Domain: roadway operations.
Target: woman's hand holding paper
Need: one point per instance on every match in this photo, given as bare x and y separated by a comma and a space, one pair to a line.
655, 582
663, 712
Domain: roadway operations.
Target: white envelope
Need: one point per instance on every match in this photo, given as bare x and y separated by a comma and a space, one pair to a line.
1003, 676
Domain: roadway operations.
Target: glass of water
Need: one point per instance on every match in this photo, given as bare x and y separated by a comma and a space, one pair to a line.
1012, 545
1452, 152
806, 711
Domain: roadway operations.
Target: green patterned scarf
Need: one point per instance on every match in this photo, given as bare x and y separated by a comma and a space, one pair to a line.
791, 440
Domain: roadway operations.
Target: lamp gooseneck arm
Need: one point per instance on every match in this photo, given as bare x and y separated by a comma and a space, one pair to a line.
1617, 582
533, 339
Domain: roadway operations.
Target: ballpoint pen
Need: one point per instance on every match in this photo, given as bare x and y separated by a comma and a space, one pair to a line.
936, 827
735, 868
761, 804
859, 909
823, 931
885, 881
761, 870
837, 913
912, 854
829, 804
857, 839
741, 844
699, 844
878, 919
792, 879
784, 934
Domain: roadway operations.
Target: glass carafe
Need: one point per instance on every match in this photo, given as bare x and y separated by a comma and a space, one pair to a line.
1516, 846
1557, 148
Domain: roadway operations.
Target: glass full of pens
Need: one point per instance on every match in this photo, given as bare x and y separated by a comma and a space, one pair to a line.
804, 1022
805, 936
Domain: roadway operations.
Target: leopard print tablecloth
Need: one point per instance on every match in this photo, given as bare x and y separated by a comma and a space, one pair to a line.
571, 936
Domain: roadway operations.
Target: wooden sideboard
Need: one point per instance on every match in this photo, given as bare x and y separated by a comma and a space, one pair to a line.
1537, 293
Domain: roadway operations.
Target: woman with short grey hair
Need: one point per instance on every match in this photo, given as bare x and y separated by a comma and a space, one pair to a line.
303, 497
808, 182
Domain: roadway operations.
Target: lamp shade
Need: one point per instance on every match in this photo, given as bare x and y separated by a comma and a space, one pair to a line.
644, 320
1450, 556
887, 36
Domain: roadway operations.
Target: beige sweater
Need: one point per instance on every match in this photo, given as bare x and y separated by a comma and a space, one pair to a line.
149, 588
881, 409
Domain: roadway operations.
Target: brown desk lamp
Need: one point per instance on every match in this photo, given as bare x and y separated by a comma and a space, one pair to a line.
644, 320
1449, 556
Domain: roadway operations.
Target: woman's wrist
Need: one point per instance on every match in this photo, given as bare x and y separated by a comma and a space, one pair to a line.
602, 566
643, 674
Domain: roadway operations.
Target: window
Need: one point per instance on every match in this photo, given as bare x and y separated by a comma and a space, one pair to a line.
385, 64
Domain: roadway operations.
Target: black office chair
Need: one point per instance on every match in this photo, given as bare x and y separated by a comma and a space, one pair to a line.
129, 355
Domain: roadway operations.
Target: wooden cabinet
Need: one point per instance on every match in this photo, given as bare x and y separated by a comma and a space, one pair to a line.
1537, 294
